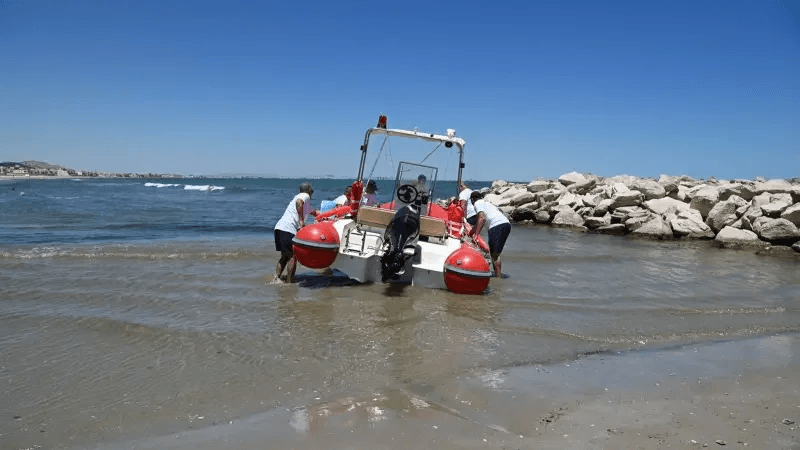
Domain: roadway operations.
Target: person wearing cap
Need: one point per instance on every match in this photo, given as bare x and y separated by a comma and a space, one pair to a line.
466, 204
293, 219
499, 228
368, 198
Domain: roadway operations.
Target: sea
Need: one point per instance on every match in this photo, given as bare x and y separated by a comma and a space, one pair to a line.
138, 313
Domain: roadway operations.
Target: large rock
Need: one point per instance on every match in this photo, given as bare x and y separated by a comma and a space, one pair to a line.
722, 215
568, 199
567, 219
774, 209
615, 228
655, 228
571, 178
520, 214
549, 195
597, 222
583, 187
650, 189
704, 200
542, 216
732, 237
744, 191
752, 213
522, 198
796, 246
493, 199
777, 186
792, 214
603, 207
499, 183
633, 223
662, 205
538, 186
775, 230
690, 224
630, 198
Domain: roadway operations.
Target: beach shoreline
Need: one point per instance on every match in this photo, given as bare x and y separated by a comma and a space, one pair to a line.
738, 394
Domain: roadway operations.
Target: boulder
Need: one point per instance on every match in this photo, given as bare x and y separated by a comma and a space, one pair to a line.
603, 207
507, 210
774, 209
538, 186
493, 199
520, 214
722, 215
633, 223
762, 199
542, 216
571, 178
590, 200
690, 224
630, 198
522, 198
792, 214
583, 187
619, 188
775, 230
777, 186
616, 229
752, 213
568, 199
655, 228
499, 183
597, 222
650, 189
567, 219
662, 205
744, 191
548, 195
731, 237
796, 246
704, 200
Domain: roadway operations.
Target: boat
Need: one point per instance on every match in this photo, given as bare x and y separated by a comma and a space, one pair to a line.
410, 239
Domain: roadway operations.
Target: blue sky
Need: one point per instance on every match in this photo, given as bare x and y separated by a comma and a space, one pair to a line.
536, 88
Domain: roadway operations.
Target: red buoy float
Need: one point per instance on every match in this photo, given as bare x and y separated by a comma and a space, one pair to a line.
466, 271
316, 245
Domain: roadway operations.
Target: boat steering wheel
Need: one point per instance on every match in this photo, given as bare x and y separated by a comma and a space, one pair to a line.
407, 193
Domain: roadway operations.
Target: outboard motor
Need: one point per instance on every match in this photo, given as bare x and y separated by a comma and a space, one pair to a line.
400, 241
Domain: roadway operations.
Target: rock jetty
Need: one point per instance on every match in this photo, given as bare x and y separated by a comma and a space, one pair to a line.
734, 214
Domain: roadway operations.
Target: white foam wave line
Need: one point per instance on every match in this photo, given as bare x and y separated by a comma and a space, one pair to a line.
207, 187
160, 185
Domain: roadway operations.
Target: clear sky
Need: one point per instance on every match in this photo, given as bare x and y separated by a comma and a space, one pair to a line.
288, 88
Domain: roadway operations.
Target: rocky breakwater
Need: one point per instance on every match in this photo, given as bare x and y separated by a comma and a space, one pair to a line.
760, 214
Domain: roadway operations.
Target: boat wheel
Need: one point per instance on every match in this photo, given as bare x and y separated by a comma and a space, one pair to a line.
407, 193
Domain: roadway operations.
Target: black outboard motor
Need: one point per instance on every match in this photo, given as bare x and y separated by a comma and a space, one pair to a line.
400, 237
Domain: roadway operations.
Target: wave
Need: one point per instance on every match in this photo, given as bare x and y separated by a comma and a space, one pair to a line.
207, 187
160, 185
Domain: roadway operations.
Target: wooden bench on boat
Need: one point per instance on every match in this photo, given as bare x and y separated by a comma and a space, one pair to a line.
380, 218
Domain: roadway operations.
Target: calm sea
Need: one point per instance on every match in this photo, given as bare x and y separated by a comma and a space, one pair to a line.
132, 309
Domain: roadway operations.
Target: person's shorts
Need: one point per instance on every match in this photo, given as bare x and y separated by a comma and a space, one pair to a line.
283, 241
472, 220
497, 237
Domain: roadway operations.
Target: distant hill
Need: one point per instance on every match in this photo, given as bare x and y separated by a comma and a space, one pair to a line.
42, 165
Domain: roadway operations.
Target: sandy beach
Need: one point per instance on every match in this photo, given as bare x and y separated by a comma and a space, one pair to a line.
733, 394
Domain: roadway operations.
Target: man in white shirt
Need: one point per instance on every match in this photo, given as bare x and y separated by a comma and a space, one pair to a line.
466, 204
293, 219
499, 228
344, 199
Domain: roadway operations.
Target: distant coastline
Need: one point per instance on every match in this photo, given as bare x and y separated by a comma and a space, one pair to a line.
40, 170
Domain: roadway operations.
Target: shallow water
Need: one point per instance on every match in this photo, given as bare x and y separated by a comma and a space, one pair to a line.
124, 340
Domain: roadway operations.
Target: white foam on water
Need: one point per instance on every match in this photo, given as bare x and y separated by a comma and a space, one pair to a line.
160, 185
207, 187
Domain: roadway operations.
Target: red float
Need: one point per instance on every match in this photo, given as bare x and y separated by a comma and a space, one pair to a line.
466, 271
316, 245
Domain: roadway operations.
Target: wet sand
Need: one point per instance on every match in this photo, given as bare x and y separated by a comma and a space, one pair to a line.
731, 394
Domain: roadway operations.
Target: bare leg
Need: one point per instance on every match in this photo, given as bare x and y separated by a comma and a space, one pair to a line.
498, 264
291, 269
285, 257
